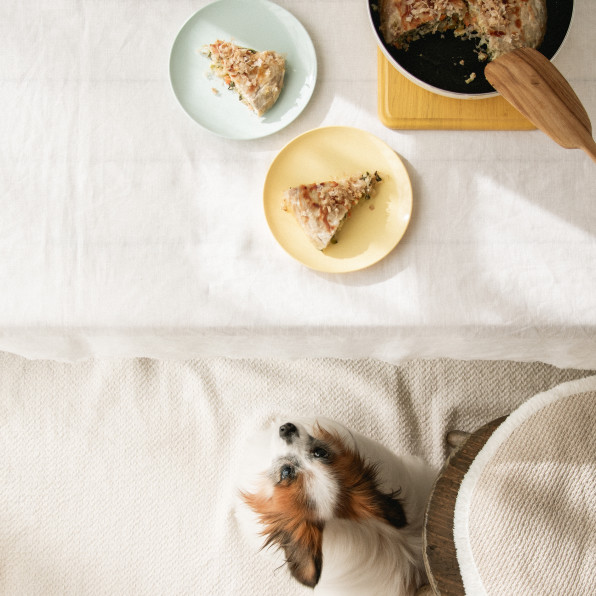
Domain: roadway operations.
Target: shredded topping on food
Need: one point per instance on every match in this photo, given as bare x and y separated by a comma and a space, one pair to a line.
321, 208
257, 77
500, 25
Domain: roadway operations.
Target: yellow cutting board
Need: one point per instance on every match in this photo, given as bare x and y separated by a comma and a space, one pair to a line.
404, 105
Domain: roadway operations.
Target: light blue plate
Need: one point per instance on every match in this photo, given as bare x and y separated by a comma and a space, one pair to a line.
256, 24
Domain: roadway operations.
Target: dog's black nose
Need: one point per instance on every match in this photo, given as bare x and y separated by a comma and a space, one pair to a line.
287, 431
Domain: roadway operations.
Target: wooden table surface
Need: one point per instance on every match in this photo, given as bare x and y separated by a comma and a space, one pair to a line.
439, 548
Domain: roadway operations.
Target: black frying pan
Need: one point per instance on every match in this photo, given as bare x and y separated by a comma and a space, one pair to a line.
435, 59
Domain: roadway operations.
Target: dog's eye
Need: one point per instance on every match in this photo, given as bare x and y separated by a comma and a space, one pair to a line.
286, 472
319, 452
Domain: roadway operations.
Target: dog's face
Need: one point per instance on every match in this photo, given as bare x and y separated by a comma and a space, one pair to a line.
313, 475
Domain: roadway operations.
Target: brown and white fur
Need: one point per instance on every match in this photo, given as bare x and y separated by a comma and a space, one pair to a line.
344, 511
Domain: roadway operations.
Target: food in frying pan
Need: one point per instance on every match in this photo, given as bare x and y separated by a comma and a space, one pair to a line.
499, 25
257, 77
322, 208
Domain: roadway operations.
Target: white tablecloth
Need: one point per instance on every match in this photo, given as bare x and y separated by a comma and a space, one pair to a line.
118, 238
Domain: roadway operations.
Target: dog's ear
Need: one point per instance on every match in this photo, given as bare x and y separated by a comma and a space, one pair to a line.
391, 509
305, 557
301, 542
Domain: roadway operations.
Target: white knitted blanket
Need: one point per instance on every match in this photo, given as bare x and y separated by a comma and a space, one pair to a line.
117, 476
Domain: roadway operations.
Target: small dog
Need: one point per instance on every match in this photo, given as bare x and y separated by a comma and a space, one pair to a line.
346, 513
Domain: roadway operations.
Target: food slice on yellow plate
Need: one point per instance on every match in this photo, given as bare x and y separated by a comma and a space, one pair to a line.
322, 208
331, 154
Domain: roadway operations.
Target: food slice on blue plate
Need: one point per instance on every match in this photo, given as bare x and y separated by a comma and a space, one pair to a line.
257, 77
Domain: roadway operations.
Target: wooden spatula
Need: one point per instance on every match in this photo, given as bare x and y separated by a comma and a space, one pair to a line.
530, 82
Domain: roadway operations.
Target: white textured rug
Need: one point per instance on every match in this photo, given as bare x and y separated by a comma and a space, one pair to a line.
525, 517
116, 477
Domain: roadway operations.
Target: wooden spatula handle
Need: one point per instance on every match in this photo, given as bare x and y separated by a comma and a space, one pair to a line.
531, 83
590, 149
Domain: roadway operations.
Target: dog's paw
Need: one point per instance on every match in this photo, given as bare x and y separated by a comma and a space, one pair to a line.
456, 438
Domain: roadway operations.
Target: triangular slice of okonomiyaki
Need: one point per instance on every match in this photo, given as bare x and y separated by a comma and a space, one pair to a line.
322, 208
257, 77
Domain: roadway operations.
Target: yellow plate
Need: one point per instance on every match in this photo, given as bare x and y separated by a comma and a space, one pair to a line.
375, 227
